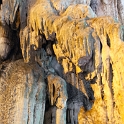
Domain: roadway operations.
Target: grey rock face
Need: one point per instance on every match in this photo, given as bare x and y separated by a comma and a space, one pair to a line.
77, 97
57, 67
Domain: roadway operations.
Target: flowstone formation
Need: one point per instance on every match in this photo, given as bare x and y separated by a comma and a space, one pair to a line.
22, 93
60, 63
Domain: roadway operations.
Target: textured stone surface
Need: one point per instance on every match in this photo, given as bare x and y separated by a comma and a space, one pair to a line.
79, 36
65, 38
22, 93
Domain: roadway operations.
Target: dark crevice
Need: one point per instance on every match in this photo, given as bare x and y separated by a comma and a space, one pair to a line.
111, 73
1, 2
47, 44
108, 40
102, 88
16, 52
100, 47
53, 90
111, 80
102, 92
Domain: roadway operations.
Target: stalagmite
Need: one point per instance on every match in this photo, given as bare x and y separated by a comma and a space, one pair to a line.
58, 97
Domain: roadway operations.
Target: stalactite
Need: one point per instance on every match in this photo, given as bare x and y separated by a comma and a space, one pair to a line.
72, 67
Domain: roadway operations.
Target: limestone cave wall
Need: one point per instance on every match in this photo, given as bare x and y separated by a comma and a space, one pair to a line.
61, 62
